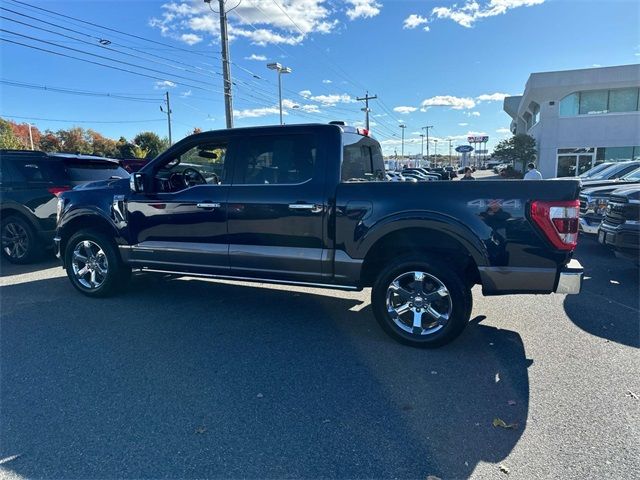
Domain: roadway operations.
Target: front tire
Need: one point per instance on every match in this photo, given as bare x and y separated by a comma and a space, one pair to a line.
93, 264
420, 301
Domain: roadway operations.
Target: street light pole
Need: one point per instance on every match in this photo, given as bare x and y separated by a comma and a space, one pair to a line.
422, 145
280, 69
402, 126
426, 128
435, 147
450, 159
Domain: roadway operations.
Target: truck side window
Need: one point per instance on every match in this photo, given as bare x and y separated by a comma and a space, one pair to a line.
278, 159
362, 159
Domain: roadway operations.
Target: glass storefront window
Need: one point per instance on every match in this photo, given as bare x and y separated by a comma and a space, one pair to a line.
569, 105
593, 102
623, 100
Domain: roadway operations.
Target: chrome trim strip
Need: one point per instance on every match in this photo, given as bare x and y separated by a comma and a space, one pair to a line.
250, 279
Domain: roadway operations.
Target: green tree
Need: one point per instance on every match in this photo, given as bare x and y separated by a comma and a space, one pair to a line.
8, 139
151, 142
49, 142
139, 152
519, 149
75, 140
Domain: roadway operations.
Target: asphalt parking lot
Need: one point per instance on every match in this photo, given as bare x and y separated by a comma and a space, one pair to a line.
186, 378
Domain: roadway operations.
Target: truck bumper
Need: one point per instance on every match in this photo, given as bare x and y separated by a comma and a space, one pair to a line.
590, 225
516, 280
570, 279
624, 239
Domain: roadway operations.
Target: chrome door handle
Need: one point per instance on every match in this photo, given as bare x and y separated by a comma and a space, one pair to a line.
208, 205
313, 208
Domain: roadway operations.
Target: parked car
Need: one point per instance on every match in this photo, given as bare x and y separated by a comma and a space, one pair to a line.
452, 172
29, 184
398, 177
310, 219
592, 172
594, 200
620, 229
421, 177
610, 174
444, 174
422, 171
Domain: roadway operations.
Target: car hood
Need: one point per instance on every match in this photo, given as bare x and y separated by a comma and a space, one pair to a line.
598, 183
603, 190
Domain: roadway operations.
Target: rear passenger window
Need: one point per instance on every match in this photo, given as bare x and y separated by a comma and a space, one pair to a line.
30, 171
277, 159
362, 159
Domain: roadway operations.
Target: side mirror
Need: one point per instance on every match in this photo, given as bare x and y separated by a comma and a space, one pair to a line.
136, 182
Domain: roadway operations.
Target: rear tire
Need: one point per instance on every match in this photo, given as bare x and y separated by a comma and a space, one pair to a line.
421, 302
94, 265
20, 243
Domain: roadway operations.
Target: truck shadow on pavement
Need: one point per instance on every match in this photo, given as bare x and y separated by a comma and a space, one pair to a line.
185, 378
609, 304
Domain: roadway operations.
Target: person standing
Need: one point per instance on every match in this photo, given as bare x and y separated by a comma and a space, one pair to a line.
467, 174
532, 173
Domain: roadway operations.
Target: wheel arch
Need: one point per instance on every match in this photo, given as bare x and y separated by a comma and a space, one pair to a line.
84, 220
463, 253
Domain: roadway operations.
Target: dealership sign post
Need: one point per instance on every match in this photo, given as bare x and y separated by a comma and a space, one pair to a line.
464, 150
478, 139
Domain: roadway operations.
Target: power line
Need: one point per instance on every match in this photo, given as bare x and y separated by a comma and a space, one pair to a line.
98, 63
86, 93
82, 121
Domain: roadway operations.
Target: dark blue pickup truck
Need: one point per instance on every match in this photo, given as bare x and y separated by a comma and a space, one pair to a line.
309, 205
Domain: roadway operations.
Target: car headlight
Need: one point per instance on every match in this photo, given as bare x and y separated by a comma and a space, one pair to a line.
59, 208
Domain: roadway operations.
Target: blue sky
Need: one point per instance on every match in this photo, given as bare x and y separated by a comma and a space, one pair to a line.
435, 62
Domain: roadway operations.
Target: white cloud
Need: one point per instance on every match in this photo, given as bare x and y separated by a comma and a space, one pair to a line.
378, 115
503, 130
456, 103
327, 81
305, 93
463, 124
164, 85
333, 98
404, 110
363, 9
190, 38
492, 97
257, 58
596, 65
286, 22
472, 114
414, 21
186, 94
472, 11
257, 112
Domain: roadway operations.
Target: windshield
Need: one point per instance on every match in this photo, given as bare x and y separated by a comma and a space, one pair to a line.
635, 175
81, 172
591, 173
606, 173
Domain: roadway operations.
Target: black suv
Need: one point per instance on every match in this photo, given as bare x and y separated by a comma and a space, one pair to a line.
30, 182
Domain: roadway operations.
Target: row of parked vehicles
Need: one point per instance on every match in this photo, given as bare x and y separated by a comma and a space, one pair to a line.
422, 174
610, 206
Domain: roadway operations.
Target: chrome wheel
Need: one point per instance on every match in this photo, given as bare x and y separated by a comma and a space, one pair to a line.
89, 264
15, 240
418, 303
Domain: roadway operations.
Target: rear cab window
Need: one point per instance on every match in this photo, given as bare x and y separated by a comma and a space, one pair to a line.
362, 159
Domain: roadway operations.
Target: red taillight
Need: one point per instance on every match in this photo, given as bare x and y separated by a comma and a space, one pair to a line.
363, 131
58, 190
558, 221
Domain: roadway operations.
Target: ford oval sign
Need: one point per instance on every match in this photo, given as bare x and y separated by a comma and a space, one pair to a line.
464, 149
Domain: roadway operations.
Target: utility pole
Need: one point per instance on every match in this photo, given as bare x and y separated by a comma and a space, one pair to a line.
226, 69
422, 145
168, 112
450, 159
426, 128
435, 147
30, 136
402, 126
366, 108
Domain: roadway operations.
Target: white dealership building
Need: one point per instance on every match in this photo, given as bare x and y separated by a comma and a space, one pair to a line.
579, 118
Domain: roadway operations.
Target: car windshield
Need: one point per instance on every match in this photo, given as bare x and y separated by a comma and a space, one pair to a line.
595, 170
635, 175
606, 173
